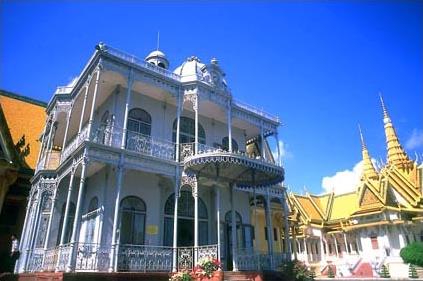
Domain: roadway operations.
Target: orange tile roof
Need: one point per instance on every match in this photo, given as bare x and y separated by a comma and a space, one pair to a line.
24, 117
309, 208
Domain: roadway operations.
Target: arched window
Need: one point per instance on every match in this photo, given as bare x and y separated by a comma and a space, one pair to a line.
139, 121
132, 221
225, 144
69, 227
187, 131
185, 220
228, 218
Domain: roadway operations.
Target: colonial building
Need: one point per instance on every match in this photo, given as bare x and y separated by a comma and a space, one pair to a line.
21, 122
357, 232
145, 169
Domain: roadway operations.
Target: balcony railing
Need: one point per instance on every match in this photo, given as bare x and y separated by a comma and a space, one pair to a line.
141, 63
256, 110
248, 259
144, 258
92, 257
74, 143
188, 150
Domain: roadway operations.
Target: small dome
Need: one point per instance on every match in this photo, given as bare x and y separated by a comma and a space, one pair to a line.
157, 58
192, 69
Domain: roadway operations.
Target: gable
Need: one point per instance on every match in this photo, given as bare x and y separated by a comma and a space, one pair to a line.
369, 198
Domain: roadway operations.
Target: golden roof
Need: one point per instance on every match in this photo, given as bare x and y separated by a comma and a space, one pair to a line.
24, 117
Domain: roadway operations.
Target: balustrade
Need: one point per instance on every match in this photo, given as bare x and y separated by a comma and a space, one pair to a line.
64, 256
50, 259
92, 257
36, 260
144, 258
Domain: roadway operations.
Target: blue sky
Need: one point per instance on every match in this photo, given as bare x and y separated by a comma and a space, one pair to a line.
319, 65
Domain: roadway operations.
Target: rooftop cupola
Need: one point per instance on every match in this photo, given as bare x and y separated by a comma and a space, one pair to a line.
158, 58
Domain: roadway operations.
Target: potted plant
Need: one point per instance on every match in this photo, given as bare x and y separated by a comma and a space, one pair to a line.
181, 276
208, 269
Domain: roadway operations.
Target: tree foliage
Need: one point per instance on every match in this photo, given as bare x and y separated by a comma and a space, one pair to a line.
413, 253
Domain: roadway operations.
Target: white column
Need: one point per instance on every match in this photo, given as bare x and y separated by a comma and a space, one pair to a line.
195, 195
305, 249
179, 106
127, 101
42, 144
90, 121
83, 108
114, 249
77, 220
175, 226
218, 220
30, 244
24, 230
68, 199
346, 243
195, 107
233, 232
269, 227
322, 249
286, 224
229, 120
262, 140
279, 160
336, 245
48, 148
67, 127
50, 219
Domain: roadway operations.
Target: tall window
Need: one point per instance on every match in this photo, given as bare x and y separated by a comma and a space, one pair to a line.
187, 131
132, 221
139, 121
375, 244
91, 219
69, 227
225, 144
45, 215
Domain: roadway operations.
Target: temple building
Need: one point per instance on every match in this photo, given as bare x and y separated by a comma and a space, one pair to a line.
146, 169
21, 123
356, 233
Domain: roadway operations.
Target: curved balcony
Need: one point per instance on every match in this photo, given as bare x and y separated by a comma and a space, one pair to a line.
234, 167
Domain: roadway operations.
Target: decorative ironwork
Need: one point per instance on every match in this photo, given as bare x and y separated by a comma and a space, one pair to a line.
189, 179
92, 256
74, 143
64, 256
187, 149
185, 258
144, 258
50, 259
207, 251
36, 260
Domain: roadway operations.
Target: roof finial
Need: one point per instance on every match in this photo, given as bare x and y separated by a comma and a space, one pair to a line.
385, 112
158, 40
363, 145
369, 170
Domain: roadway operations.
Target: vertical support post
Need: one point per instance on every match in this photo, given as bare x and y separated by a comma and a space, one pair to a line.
42, 144
48, 148
195, 107
195, 195
30, 244
77, 220
322, 249
229, 120
84, 104
114, 249
336, 245
269, 228
286, 224
175, 225
67, 127
127, 101
262, 139
50, 219
305, 249
233, 231
346, 243
24, 230
179, 106
294, 242
279, 160
218, 220
90, 121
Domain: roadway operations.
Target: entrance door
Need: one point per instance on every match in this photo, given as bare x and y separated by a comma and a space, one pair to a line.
185, 232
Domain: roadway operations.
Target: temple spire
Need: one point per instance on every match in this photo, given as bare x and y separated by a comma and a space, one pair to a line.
396, 154
369, 170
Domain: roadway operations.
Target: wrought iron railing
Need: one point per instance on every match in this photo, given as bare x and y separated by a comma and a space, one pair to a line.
144, 258
141, 63
188, 150
64, 257
143, 144
255, 110
92, 257
74, 143
186, 255
248, 259
50, 259
35, 260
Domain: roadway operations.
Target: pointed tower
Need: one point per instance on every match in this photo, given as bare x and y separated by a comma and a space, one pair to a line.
369, 170
396, 154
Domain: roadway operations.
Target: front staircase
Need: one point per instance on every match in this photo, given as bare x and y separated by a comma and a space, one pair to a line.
253, 276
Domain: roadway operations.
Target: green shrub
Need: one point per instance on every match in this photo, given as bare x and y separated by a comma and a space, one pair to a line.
413, 253
296, 270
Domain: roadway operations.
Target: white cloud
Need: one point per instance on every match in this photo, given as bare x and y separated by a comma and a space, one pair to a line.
415, 140
343, 181
285, 153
